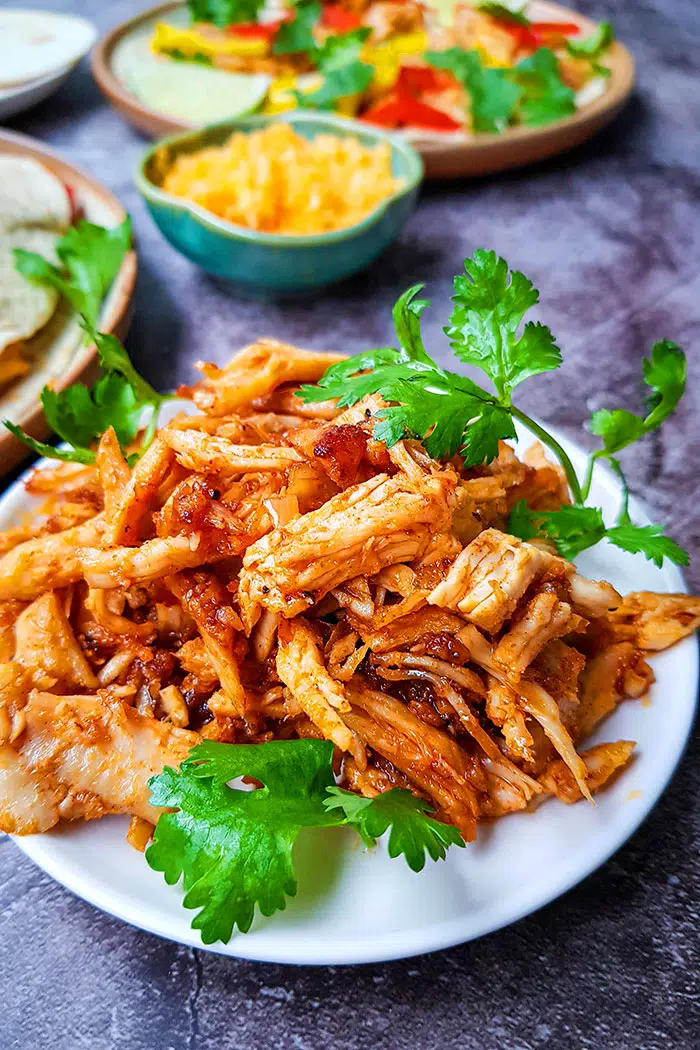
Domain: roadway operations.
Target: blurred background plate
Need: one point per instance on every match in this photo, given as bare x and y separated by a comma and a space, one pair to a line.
123, 60
43, 76
58, 351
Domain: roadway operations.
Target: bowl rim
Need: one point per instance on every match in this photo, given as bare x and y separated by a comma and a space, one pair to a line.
116, 308
154, 194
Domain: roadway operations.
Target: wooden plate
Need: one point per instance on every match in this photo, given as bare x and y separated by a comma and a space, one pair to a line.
445, 155
59, 353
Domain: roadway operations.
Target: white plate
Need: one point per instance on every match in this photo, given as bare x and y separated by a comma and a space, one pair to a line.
355, 906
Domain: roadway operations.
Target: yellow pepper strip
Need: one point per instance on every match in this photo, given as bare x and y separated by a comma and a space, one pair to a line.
191, 43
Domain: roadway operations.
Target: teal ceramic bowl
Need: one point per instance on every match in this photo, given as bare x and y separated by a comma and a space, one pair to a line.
270, 263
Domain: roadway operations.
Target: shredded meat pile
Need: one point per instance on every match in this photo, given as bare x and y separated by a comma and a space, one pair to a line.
269, 570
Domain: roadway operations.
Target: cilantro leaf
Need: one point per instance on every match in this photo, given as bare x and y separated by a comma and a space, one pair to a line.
571, 529
297, 35
352, 78
448, 413
493, 94
664, 372
575, 529
338, 59
114, 358
649, 541
451, 414
90, 257
617, 427
510, 10
593, 45
233, 848
80, 416
545, 96
406, 315
224, 13
489, 305
41, 448
413, 831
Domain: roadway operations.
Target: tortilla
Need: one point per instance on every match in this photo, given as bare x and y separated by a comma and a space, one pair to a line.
31, 195
24, 307
35, 210
34, 44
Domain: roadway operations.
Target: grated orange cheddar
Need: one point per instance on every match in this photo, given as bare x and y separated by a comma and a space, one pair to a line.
276, 181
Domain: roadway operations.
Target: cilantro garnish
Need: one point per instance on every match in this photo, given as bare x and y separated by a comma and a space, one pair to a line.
510, 10
532, 92
545, 96
452, 414
594, 45
90, 256
337, 58
493, 94
233, 848
413, 832
224, 13
297, 35
80, 416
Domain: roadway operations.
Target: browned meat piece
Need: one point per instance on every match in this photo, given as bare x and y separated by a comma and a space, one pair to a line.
503, 710
489, 578
48, 562
656, 621
602, 762
80, 757
475, 29
380, 522
255, 372
47, 648
557, 669
544, 619
388, 18
209, 454
618, 672
430, 758
206, 600
300, 666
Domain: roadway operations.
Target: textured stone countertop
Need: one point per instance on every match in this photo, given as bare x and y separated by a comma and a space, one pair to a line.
610, 234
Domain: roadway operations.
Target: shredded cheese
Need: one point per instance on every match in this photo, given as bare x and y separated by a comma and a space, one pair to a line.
276, 181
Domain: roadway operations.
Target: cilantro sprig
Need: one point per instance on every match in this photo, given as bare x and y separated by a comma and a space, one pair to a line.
531, 92
337, 58
223, 13
594, 45
510, 10
121, 398
452, 414
233, 848
90, 258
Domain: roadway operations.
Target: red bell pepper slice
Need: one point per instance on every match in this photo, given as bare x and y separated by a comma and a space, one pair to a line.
401, 109
415, 79
334, 16
538, 33
258, 30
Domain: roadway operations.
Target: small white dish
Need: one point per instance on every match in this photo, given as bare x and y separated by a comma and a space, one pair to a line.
359, 907
61, 41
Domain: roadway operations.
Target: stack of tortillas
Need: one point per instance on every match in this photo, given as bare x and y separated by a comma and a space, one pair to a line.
35, 44
35, 210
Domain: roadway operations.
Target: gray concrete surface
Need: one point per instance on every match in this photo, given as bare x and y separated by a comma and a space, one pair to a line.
611, 236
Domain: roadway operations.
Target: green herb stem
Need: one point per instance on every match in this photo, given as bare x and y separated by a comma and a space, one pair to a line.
551, 442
